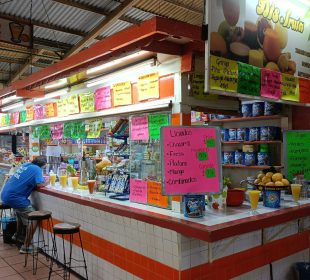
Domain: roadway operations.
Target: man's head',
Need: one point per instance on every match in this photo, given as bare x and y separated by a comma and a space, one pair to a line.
40, 161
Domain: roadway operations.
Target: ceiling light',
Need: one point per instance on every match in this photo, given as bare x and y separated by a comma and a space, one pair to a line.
13, 106
9, 99
58, 83
114, 62
126, 74
51, 95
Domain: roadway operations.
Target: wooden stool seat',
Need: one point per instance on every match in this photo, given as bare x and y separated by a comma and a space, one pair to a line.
66, 228
4, 206
35, 221
39, 215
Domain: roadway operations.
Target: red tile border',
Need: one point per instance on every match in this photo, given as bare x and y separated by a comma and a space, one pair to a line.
248, 260
190, 228
223, 268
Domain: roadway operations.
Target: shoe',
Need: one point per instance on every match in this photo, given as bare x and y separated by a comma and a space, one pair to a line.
14, 237
18, 238
31, 249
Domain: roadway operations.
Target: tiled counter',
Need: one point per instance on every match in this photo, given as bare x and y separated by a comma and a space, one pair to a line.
126, 240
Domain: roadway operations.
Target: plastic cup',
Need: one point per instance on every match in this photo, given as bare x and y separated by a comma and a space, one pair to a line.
63, 180
91, 185
254, 198
296, 188
53, 179
75, 182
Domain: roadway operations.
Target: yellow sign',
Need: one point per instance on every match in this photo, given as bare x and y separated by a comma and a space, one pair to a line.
3, 123
62, 107
154, 195
50, 110
29, 113
223, 74
122, 94
87, 102
148, 87
197, 83
73, 104
290, 88
94, 128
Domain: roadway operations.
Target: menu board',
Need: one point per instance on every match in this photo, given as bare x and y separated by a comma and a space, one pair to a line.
191, 160
297, 153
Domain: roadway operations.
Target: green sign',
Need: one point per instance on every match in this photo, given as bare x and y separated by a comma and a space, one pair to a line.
297, 153
248, 79
22, 116
155, 123
75, 130
43, 132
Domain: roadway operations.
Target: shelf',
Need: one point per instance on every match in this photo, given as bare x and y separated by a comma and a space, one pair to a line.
273, 117
77, 144
94, 144
250, 167
67, 144
252, 142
